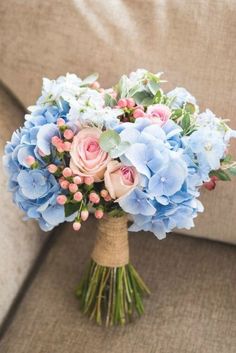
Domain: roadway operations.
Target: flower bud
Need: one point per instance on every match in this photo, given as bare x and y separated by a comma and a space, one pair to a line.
78, 196
61, 199
76, 226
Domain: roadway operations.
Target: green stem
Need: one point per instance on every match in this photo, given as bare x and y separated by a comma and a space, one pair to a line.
111, 295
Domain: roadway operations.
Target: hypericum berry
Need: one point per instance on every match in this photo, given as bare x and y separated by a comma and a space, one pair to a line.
73, 188
89, 180
104, 193
30, 160
84, 215
61, 199
60, 122
77, 180
138, 113
68, 134
67, 146
67, 172
130, 102
55, 140
94, 198
78, 196
64, 184
99, 214
60, 147
52, 168
76, 226
211, 184
122, 103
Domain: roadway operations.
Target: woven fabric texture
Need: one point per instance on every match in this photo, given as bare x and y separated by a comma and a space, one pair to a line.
20, 241
192, 308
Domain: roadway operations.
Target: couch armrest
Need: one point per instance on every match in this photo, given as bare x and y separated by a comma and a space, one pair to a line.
20, 241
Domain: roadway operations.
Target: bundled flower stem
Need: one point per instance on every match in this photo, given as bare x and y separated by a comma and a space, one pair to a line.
111, 291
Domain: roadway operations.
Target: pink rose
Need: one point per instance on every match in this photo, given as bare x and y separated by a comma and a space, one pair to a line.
158, 114
87, 157
120, 179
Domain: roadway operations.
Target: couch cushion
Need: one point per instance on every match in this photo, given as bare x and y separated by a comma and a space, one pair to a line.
20, 241
193, 43
192, 307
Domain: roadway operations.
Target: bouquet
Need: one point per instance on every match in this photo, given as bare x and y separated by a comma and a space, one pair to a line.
128, 151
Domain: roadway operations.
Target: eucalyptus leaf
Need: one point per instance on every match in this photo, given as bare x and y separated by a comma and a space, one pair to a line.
119, 150
143, 98
109, 140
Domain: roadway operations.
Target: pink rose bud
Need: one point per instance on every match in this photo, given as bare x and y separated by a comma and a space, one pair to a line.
52, 168
107, 198
67, 146
95, 85
61, 199
122, 103
104, 193
77, 180
94, 198
84, 215
68, 134
67, 172
64, 184
99, 214
130, 102
55, 140
73, 188
76, 226
78, 196
60, 122
138, 113
89, 180
30, 160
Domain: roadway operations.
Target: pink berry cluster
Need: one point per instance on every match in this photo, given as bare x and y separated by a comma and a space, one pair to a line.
76, 190
131, 110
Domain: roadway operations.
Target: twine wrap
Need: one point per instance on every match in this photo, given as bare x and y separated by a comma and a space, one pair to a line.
111, 247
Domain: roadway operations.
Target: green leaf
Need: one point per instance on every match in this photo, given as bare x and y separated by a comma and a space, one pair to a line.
143, 98
119, 150
122, 87
232, 171
109, 100
185, 122
109, 139
220, 174
190, 108
71, 208
227, 159
90, 79
153, 86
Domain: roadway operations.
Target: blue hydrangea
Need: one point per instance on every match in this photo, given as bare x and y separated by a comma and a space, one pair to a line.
170, 179
34, 191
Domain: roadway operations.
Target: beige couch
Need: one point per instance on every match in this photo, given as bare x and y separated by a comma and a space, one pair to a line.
193, 306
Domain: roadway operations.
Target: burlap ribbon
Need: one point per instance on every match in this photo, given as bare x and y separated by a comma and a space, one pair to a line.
111, 247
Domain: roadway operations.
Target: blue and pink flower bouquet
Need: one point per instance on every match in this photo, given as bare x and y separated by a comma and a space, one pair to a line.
129, 150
